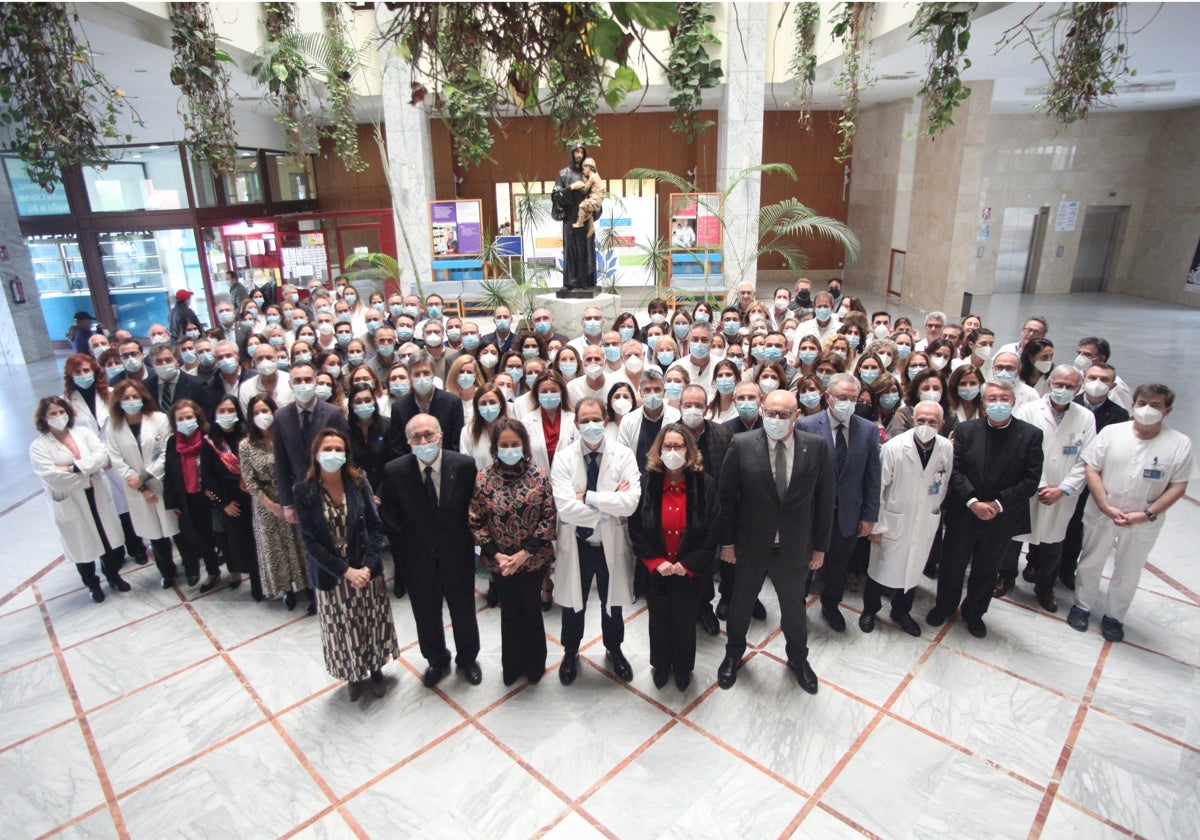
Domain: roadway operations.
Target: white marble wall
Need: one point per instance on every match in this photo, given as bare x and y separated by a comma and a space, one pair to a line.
740, 135
23, 336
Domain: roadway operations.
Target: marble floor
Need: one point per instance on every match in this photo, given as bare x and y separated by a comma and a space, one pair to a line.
167, 713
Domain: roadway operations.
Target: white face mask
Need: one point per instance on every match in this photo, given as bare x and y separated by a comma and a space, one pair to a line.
1082, 362
673, 459
692, 417
622, 406
1147, 415
58, 422
264, 421
594, 371
925, 433
1044, 366
886, 359
983, 351
937, 362
634, 364
1096, 389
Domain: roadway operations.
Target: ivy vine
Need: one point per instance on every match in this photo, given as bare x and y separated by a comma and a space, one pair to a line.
200, 72
852, 26
58, 108
343, 129
690, 70
803, 65
287, 74
945, 28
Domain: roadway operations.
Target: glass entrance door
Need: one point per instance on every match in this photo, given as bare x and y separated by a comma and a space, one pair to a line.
61, 281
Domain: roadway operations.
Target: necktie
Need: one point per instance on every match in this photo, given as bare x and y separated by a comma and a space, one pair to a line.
592, 461
842, 449
306, 427
430, 490
168, 394
781, 476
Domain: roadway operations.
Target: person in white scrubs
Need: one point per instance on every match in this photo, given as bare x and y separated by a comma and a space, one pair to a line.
1135, 472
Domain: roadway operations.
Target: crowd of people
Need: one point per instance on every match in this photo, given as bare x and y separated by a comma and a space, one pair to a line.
679, 457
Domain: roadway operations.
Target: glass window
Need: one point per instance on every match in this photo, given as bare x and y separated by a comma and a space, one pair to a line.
245, 185
146, 178
292, 176
31, 199
61, 281
144, 269
204, 185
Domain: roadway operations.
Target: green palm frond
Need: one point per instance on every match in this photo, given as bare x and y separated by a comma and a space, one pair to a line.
643, 174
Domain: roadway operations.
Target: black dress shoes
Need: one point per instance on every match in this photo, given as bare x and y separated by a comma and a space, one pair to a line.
434, 674
708, 620
354, 689
907, 624
727, 672
660, 675
1046, 599
312, 608
620, 664
805, 676
289, 600
141, 559
722, 609
759, 612
1002, 588
211, 584
378, 684
192, 580
118, 583
568, 670
976, 627
471, 673
97, 593
935, 618
834, 618
509, 679
683, 679
167, 583
866, 622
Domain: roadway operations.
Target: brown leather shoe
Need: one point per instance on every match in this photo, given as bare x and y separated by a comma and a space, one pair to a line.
1003, 587
1045, 597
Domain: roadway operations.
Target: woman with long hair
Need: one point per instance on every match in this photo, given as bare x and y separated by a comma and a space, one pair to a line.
183, 494
221, 479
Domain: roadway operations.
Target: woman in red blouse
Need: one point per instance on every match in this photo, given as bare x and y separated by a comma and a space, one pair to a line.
674, 535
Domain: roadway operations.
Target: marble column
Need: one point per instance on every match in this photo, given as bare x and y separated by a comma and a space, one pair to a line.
740, 135
23, 336
410, 165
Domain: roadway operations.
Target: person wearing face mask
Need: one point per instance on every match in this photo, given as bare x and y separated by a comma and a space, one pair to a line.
543, 325
221, 480
614, 360
342, 533
721, 408
1098, 382
941, 352
747, 418
596, 488
997, 469
296, 426
963, 391
168, 383
823, 325
886, 400
639, 428
674, 537
1005, 366
385, 351
620, 402
512, 517
476, 438
915, 468
97, 344
184, 493
633, 362
426, 495
802, 302
281, 559
926, 386
552, 426
527, 402
228, 377
594, 382
181, 315
854, 442
1067, 429
434, 338
768, 376
1136, 471
462, 383
592, 324
782, 309
228, 326
502, 335
777, 498
134, 362
425, 398
697, 364
269, 381
1037, 360
70, 460
1092, 350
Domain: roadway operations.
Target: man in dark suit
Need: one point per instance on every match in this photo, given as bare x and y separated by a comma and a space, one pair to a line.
424, 399
1098, 382
997, 468
168, 384
228, 375
502, 336
854, 442
295, 427
227, 326
746, 397
777, 497
426, 494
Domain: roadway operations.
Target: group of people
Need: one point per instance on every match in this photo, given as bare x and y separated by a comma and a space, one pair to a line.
799, 439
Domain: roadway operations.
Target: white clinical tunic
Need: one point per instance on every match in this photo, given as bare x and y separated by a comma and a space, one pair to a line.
910, 508
1135, 472
1063, 443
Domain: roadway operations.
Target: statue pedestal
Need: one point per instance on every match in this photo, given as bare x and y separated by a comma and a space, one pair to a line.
568, 311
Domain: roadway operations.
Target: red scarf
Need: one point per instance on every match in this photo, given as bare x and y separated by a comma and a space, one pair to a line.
189, 461
229, 460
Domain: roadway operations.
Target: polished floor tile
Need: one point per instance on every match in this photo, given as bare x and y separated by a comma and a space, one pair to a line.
48, 780
1152, 691
33, 698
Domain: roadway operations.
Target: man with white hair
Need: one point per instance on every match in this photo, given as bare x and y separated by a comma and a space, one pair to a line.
934, 322
1006, 366
915, 472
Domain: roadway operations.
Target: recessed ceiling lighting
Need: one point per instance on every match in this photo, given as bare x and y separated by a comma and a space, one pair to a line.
138, 70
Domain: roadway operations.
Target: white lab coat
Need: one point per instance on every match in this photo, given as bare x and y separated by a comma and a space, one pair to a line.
146, 456
909, 514
631, 425
66, 493
537, 436
98, 426
1062, 466
480, 450
613, 508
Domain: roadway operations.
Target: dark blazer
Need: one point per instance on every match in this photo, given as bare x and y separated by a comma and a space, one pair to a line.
292, 448
187, 387
370, 451
1011, 476
752, 512
737, 427
198, 530
214, 389
714, 442
220, 485
858, 484
431, 548
443, 405
502, 344
364, 532
698, 545
1107, 414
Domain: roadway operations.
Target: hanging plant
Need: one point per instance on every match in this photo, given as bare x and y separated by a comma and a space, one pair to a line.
343, 129
945, 28
852, 26
287, 74
58, 108
689, 69
201, 74
803, 65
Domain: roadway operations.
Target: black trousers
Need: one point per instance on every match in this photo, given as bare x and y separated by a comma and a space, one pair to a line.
197, 542
837, 561
241, 553
133, 543
1072, 544
162, 555
671, 602
789, 574
981, 548
426, 595
592, 564
522, 632
110, 560
873, 592
728, 576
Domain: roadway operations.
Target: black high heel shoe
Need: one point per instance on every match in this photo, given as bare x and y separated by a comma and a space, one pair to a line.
289, 600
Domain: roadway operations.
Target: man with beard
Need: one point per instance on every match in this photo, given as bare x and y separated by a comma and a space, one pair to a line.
579, 250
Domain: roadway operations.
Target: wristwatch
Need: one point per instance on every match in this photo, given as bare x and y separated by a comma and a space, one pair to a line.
1153, 517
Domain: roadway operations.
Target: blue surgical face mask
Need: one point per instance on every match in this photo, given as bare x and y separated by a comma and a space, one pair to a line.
568, 369
399, 389
528, 352
999, 411
396, 309
772, 354
777, 428
731, 328
681, 331
824, 377
489, 412
453, 334
747, 409
404, 334
652, 400
612, 354
853, 341
701, 318
968, 392
207, 359
331, 462
903, 351
466, 380
822, 313
343, 339
592, 326
725, 384
501, 325
674, 390
273, 319
665, 357
756, 353
698, 350
427, 452
530, 378
184, 427
1061, 396
84, 381
868, 376
652, 340
514, 373
550, 400
543, 327
470, 341
364, 411
889, 401
373, 326
1009, 376
810, 399
626, 333
435, 312
510, 455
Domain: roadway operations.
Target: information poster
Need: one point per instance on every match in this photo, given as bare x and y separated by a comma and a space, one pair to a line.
695, 241
455, 227
1068, 214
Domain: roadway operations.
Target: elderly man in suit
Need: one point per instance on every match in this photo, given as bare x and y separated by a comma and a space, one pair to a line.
854, 442
997, 467
424, 398
168, 384
777, 498
426, 497
295, 427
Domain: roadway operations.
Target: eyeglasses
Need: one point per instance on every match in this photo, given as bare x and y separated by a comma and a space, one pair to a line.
421, 437
775, 414
134, 354
674, 447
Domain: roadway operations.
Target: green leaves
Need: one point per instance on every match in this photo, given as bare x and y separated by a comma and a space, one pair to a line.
689, 70
946, 29
200, 74
646, 15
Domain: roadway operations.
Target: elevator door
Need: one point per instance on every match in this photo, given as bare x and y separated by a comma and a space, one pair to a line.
1097, 248
1016, 242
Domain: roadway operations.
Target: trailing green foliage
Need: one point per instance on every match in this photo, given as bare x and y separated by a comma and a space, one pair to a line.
690, 71
945, 28
852, 26
201, 73
803, 65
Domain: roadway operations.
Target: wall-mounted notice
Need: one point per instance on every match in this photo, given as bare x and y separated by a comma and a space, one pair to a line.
1068, 214
455, 227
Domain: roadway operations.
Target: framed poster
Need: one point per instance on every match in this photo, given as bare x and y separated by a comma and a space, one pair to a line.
456, 237
695, 242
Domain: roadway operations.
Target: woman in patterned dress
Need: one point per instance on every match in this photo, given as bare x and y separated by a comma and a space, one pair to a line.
280, 554
341, 530
513, 520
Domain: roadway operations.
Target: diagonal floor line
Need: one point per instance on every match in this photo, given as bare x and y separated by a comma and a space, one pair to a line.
89, 738
33, 661
31, 580
1165, 578
86, 815
838, 815
1060, 768
1083, 809
22, 502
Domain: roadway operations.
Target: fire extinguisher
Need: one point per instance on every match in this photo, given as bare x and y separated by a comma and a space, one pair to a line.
17, 289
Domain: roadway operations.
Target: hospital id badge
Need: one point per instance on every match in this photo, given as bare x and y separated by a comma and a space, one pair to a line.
1155, 475
935, 488
1071, 450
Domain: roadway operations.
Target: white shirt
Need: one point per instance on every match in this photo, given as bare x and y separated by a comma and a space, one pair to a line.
281, 394
1136, 472
703, 378
578, 389
811, 327
437, 473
